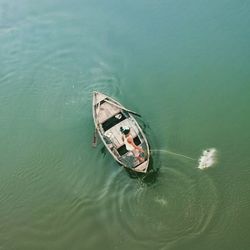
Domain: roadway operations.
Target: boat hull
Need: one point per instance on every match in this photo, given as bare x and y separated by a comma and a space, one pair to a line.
109, 115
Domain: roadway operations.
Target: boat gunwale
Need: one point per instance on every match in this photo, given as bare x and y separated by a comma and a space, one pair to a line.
97, 126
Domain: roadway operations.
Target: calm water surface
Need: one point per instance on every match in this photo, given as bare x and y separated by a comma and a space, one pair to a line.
183, 65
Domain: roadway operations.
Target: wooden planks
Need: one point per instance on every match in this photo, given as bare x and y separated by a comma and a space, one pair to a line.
106, 111
116, 135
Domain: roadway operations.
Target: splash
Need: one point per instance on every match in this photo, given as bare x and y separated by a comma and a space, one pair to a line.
208, 158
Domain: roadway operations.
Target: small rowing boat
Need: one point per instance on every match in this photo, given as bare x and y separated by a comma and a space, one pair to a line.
111, 118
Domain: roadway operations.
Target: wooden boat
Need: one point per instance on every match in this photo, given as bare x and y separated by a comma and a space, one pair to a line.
109, 116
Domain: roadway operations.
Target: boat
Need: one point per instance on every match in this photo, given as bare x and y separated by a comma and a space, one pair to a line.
109, 117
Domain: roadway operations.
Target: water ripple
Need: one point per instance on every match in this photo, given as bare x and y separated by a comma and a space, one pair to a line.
179, 206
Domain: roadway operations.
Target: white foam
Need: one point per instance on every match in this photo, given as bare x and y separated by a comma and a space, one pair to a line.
208, 158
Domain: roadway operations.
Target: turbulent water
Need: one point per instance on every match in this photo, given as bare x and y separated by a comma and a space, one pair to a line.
208, 158
183, 65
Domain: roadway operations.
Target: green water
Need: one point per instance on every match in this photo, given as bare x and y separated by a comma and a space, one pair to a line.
183, 65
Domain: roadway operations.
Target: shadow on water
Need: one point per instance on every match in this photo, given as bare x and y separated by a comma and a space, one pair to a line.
144, 126
148, 178
103, 151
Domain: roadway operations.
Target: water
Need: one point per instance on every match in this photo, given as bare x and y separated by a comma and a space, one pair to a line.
183, 65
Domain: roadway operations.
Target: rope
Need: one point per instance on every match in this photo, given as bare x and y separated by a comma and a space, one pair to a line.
172, 153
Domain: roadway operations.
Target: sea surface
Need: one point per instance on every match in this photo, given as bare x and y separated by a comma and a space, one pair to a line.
184, 66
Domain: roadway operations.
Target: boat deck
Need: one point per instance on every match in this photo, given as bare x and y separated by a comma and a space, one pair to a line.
106, 111
115, 135
109, 117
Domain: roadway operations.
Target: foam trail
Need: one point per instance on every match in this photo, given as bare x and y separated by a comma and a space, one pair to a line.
208, 158
172, 153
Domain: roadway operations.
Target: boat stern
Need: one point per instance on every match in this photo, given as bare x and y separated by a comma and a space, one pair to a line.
143, 167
